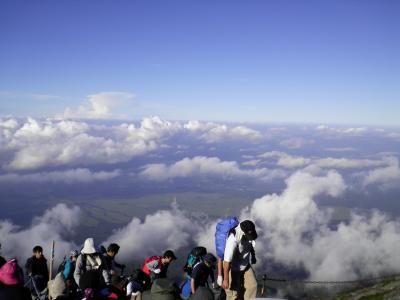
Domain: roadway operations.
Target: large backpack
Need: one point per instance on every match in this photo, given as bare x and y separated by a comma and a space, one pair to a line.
222, 230
152, 258
195, 256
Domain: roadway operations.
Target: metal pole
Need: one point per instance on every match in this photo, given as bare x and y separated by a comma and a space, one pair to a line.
51, 263
264, 278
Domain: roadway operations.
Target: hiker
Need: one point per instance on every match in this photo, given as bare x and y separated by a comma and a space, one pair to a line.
36, 268
235, 256
11, 282
68, 272
202, 271
90, 269
112, 251
157, 266
195, 257
137, 282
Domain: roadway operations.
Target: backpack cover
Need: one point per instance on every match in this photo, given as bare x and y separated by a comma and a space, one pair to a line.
195, 256
222, 231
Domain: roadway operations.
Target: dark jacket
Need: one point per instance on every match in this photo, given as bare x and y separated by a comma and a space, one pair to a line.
36, 266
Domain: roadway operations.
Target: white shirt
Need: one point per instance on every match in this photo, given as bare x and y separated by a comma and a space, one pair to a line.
237, 251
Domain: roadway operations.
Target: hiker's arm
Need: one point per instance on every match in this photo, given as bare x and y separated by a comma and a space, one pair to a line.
78, 267
119, 266
219, 266
28, 266
192, 286
230, 248
227, 268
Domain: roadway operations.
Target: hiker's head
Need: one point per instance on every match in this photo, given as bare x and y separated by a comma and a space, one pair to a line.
210, 260
74, 255
168, 257
37, 251
112, 249
249, 230
88, 247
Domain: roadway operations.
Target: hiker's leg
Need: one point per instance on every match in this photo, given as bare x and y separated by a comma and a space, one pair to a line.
231, 292
250, 284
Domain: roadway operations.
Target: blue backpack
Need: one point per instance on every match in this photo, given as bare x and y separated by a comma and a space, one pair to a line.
222, 231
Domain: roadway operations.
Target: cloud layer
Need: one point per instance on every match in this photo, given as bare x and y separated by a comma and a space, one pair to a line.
293, 231
206, 166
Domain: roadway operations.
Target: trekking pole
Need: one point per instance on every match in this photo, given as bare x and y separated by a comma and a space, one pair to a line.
264, 278
51, 263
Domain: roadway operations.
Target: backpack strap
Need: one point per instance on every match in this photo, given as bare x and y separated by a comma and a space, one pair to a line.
83, 262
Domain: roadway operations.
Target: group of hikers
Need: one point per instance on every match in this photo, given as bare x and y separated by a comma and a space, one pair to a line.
93, 273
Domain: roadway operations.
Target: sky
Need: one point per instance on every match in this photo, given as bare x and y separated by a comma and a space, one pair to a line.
234, 61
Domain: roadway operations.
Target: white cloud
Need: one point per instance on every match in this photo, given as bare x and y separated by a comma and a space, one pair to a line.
214, 133
386, 177
295, 232
350, 131
68, 176
56, 224
100, 105
38, 144
165, 229
296, 142
205, 166
289, 161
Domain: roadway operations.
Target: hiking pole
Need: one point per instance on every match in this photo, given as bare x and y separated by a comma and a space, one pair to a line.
51, 263
264, 278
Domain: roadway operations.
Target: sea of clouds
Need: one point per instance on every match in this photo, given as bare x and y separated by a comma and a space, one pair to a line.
293, 230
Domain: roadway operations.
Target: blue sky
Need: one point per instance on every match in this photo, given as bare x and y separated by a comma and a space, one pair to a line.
263, 61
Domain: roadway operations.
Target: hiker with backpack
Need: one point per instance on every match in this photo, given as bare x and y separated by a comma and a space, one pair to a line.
90, 270
202, 271
234, 243
11, 282
36, 268
157, 266
196, 256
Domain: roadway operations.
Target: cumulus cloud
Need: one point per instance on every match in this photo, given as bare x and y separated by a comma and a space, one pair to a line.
165, 229
290, 161
213, 133
386, 177
295, 232
56, 224
201, 166
79, 175
99, 106
36, 144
